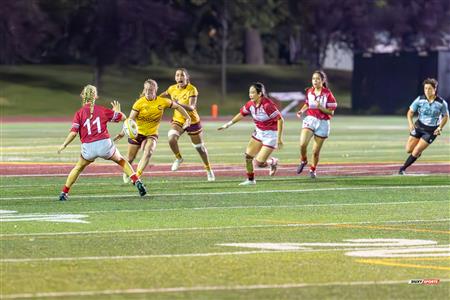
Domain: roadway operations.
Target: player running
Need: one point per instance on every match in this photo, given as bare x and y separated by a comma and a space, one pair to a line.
147, 111
185, 94
433, 115
90, 122
319, 107
267, 135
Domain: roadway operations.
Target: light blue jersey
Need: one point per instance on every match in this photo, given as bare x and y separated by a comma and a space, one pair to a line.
430, 114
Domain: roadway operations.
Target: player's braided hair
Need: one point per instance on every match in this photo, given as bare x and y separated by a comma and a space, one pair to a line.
88, 95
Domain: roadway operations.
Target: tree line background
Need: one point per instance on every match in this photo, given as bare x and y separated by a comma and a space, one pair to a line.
187, 32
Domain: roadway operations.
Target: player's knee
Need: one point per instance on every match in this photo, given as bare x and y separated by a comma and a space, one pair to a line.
200, 147
148, 152
173, 134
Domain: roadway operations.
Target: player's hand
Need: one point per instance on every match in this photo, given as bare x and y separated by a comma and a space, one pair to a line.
225, 126
412, 130
280, 144
61, 148
438, 131
300, 114
119, 136
115, 106
187, 123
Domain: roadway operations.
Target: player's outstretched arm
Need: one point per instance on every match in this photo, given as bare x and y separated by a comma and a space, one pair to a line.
235, 119
70, 137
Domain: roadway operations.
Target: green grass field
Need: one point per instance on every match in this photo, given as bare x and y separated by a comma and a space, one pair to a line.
53, 90
337, 237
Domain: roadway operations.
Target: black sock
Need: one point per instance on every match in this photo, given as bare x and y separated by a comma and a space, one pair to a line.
409, 161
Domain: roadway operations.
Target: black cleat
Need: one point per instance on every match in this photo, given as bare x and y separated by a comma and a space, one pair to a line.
401, 172
301, 166
63, 196
141, 188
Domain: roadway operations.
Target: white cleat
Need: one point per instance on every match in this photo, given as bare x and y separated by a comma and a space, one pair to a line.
210, 175
312, 174
176, 164
273, 167
125, 178
248, 182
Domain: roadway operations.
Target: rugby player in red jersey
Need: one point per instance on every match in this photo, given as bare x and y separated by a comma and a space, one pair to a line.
318, 109
90, 122
267, 135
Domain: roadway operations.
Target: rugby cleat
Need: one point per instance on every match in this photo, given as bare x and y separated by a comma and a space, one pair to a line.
248, 182
273, 167
125, 178
401, 172
141, 188
312, 174
210, 175
301, 166
176, 164
63, 196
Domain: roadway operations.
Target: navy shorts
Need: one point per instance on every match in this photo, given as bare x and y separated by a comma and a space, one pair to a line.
424, 132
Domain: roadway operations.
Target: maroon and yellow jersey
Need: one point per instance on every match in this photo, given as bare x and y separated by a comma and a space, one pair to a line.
182, 96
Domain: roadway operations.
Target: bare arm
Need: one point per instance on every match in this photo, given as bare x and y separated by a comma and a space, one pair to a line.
302, 110
444, 121
70, 137
409, 116
192, 104
325, 110
235, 119
182, 111
280, 127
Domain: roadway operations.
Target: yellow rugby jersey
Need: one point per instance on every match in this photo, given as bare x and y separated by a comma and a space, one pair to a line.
182, 95
150, 113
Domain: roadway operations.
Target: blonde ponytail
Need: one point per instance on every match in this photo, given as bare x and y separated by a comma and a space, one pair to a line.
88, 95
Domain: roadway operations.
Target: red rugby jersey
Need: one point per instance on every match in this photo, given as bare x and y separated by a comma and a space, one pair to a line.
325, 99
265, 115
95, 128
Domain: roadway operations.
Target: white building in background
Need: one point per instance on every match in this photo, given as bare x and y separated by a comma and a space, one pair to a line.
339, 59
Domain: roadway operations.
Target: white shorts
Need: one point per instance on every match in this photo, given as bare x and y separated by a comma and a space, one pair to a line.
102, 148
268, 138
321, 128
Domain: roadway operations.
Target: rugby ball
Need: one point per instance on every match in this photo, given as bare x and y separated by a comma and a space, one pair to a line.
130, 128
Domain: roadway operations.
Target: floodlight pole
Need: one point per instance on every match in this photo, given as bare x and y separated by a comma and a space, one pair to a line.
223, 67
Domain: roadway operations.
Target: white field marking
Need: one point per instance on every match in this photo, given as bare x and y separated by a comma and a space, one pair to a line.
7, 211
350, 243
245, 192
203, 288
94, 232
256, 207
57, 218
411, 252
207, 254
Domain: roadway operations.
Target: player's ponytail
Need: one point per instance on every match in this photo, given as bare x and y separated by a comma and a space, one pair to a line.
88, 95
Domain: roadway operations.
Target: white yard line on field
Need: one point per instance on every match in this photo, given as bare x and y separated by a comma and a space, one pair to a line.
184, 289
210, 254
244, 191
243, 207
94, 232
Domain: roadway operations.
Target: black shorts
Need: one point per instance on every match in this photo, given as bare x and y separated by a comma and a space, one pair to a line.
424, 132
